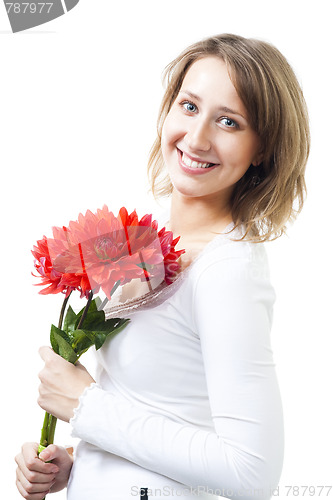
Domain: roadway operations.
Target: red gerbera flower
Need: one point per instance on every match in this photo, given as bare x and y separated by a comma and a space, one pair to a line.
50, 277
171, 256
100, 251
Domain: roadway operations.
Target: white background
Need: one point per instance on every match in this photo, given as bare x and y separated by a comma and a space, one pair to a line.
79, 98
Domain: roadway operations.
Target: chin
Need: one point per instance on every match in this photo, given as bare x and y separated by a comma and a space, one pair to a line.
187, 191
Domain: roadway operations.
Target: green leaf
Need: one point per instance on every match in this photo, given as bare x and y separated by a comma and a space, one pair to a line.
114, 324
96, 322
97, 302
64, 335
82, 340
101, 336
94, 305
93, 320
92, 309
61, 344
70, 320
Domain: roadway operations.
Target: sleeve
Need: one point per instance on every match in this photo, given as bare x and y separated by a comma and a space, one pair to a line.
232, 305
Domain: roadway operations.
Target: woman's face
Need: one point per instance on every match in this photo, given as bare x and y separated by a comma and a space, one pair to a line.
207, 142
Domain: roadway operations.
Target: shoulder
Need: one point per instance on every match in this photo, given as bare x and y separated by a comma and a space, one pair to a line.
230, 257
232, 281
231, 274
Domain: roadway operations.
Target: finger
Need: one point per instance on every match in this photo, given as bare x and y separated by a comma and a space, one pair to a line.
35, 482
29, 450
28, 460
50, 453
34, 496
26, 475
46, 353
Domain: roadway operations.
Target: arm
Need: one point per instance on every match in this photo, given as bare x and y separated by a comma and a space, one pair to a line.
245, 449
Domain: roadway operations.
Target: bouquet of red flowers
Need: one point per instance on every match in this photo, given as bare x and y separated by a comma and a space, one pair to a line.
97, 252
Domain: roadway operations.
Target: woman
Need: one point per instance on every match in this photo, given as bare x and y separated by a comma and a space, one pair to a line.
186, 402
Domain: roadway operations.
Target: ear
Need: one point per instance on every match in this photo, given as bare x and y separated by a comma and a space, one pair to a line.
258, 159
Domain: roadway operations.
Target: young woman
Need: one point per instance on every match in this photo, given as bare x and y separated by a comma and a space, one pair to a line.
186, 401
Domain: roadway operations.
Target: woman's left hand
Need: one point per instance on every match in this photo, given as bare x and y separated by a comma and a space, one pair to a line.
62, 383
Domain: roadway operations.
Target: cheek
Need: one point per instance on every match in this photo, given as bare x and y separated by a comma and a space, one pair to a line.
242, 150
165, 133
251, 147
164, 143
171, 130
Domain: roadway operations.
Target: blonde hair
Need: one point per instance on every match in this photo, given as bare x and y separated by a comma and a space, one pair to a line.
273, 193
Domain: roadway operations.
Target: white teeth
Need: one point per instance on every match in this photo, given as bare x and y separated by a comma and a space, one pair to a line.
194, 164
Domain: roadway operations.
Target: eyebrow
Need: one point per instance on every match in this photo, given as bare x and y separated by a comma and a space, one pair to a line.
221, 108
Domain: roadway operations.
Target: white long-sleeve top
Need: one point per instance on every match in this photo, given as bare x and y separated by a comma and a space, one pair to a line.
187, 402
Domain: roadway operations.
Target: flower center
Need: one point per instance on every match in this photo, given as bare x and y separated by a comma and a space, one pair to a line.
104, 247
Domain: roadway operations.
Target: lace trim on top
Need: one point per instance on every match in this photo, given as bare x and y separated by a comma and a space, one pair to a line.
163, 291
81, 398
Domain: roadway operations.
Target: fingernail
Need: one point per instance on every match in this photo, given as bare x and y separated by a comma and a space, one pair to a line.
54, 470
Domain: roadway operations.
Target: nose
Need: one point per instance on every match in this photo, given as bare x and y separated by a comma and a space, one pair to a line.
198, 136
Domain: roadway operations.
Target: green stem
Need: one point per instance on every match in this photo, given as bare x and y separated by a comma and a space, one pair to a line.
44, 434
51, 429
49, 424
85, 312
62, 312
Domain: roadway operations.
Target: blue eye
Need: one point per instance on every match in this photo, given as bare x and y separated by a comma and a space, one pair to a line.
189, 106
229, 123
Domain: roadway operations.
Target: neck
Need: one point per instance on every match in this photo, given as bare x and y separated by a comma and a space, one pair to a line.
191, 217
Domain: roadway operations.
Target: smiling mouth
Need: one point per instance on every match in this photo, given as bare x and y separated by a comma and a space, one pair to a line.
194, 164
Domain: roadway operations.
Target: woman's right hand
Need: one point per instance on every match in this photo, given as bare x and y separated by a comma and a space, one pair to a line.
34, 477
